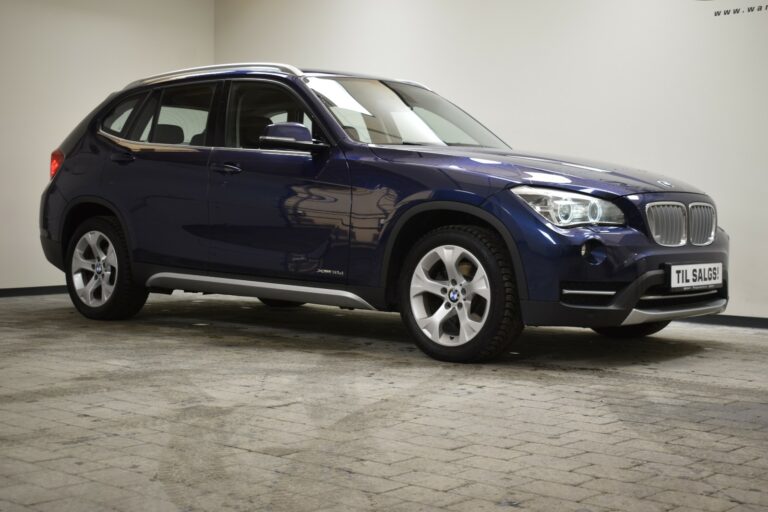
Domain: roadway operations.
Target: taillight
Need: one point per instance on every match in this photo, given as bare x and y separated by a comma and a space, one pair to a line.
57, 158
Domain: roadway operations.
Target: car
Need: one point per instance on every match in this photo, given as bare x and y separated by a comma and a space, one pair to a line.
301, 186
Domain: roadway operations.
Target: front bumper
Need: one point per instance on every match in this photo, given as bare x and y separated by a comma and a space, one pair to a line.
643, 300
624, 272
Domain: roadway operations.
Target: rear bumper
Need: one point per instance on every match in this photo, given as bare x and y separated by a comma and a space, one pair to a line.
52, 251
635, 303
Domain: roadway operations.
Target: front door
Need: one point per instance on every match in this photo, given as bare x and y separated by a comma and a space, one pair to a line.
276, 213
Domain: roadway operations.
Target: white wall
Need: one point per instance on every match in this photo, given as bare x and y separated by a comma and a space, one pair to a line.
656, 84
59, 59
660, 85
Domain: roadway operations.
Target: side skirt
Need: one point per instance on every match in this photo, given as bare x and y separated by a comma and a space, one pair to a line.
279, 291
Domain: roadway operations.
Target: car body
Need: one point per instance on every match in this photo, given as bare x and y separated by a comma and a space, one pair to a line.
331, 217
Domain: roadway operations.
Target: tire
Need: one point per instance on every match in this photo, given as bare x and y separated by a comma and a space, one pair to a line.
466, 314
276, 303
631, 331
98, 253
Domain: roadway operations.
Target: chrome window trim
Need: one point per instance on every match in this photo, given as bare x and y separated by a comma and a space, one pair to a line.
684, 208
135, 145
280, 291
714, 222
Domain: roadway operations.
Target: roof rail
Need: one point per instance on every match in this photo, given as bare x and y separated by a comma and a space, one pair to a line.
202, 70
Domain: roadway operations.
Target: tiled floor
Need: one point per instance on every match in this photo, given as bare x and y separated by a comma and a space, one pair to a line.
223, 404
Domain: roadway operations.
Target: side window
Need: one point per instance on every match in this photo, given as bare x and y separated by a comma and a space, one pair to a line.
175, 115
144, 120
254, 106
116, 120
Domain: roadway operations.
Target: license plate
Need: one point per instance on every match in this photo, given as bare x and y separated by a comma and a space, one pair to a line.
700, 275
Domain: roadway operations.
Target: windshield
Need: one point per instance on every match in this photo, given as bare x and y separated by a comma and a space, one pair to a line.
384, 112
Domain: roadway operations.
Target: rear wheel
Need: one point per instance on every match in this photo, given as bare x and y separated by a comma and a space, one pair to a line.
458, 296
276, 303
631, 331
99, 277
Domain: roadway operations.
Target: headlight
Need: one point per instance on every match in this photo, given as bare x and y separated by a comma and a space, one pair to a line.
566, 209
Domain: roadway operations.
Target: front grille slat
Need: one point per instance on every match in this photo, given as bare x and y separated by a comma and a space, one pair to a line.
667, 221
704, 218
673, 224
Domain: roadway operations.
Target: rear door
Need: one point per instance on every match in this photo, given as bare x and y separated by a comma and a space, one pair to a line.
276, 213
157, 174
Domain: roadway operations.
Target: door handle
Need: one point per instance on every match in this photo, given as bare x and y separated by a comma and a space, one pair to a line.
122, 157
228, 168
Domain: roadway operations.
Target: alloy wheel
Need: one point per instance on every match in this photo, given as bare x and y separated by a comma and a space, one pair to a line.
450, 295
94, 268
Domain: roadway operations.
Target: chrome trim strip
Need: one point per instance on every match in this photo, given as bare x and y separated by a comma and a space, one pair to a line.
226, 286
136, 145
677, 295
641, 316
588, 292
203, 70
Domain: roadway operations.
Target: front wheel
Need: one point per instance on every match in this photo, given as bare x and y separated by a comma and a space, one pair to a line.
458, 296
631, 331
99, 278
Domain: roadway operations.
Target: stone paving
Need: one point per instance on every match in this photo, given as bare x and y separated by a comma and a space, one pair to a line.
215, 403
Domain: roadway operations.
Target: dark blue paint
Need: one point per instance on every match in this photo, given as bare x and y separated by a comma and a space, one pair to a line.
333, 216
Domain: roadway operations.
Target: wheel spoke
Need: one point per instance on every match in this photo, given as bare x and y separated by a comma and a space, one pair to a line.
106, 289
479, 285
98, 251
433, 324
79, 262
450, 256
422, 283
468, 327
86, 292
111, 258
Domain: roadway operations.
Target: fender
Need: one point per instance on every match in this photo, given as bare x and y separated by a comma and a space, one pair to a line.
522, 288
101, 202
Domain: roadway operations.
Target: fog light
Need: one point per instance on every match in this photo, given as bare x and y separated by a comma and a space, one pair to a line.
593, 252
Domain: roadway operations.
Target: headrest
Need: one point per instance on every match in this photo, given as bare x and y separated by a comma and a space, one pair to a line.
168, 134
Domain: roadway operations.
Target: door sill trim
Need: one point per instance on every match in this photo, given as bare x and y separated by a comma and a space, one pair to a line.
278, 291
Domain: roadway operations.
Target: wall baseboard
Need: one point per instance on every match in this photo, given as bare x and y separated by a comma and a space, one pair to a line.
33, 290
752, 322
726, 320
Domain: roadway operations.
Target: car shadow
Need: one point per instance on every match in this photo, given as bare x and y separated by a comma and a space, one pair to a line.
315, 326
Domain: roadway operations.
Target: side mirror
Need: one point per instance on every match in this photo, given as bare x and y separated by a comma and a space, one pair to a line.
290, 136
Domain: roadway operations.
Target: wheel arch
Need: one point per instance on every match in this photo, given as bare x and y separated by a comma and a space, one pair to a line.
83, 208
420, 219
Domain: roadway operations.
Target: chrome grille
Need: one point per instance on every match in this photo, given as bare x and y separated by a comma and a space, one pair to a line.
668, 223
702, 223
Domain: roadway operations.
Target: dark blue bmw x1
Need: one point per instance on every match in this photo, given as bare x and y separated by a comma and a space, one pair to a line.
360, 192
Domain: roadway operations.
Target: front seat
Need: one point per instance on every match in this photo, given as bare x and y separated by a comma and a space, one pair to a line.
251, 128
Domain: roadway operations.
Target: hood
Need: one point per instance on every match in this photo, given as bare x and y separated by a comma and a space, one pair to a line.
504, 168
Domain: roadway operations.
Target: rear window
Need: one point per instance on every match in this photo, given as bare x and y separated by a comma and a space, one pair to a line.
116, 121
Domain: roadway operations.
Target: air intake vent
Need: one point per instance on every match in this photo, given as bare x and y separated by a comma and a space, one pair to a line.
668, 223
702, 221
